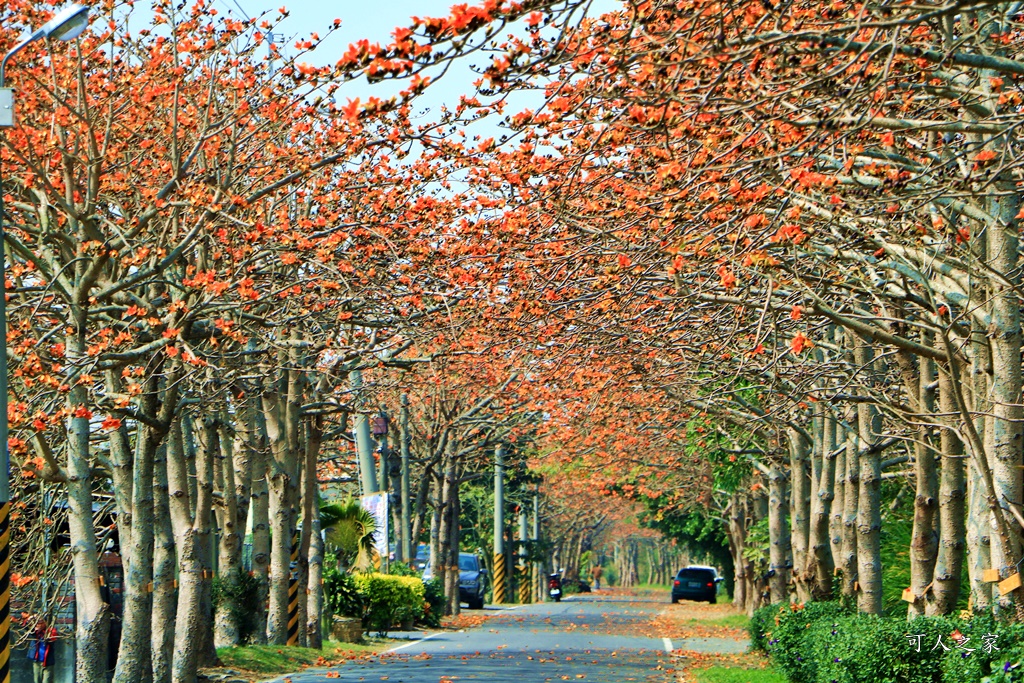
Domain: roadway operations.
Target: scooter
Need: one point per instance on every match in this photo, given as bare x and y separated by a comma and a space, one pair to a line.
555, 587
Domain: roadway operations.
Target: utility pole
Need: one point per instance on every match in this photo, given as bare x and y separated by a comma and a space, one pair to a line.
537, 568
525, 589
364, 444
498, 577
408, 551
380, 432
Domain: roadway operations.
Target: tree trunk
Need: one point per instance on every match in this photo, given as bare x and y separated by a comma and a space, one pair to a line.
206, 651
737, 536
282, 482
952, 492
226, 631
978, 514
420, 509
134, 661
924, 537
92, 614
435, 526
121, 464
836, 528
800, 509
190, 531
314, 437
821, 543
164, 560
869, 514
848, 554
261, 527
1004, 450
781, 550
315, 598
452, 583
234, 480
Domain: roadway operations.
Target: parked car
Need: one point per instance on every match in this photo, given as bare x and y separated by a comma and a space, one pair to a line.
422, 557
696, 582
472, 580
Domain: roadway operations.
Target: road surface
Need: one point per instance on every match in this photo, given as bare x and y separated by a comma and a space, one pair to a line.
587, 638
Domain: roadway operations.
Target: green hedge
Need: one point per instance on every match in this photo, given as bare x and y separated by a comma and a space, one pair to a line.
825, 643
787, 637
341, 594
433, 610
390, 600
380, 600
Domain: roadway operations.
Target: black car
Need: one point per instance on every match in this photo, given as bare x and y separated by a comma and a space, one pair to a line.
472, 580
696, 583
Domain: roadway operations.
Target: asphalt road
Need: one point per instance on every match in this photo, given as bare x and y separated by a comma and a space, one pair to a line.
576, 640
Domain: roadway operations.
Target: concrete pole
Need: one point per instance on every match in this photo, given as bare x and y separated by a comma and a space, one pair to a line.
364, 443
525, 589
408, 552
537, 569
498, 577
382, 462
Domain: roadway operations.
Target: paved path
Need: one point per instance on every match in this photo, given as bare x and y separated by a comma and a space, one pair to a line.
576, 640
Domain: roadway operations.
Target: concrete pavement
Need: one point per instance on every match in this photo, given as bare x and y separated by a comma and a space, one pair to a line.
579, 639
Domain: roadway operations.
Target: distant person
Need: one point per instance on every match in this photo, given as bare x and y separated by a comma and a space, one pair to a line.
596, 573
41, 652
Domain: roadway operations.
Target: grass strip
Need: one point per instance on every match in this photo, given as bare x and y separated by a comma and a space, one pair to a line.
281, 659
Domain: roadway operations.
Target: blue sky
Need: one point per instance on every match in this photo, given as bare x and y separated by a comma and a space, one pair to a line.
371, 19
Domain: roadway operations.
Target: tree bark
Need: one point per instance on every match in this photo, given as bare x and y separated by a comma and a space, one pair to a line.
234, 481
92, 614
206, 651
850, 498
310, 513
800, 510
835, 523
781, 549
261, 526
1004, 450
190, 531
821, 544
134, 661
952, 493
924, 536
869, 515
282, 483
164, 560
978, 513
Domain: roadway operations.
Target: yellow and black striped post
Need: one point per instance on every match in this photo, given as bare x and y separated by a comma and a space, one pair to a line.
525, 586
5, 591
293, 595
498, 580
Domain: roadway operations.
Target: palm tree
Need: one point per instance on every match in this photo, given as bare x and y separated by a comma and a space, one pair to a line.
348, 531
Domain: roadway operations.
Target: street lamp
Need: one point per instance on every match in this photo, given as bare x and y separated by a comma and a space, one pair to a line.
65, 25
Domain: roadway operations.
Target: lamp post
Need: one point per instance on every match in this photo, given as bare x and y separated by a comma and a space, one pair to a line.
65, 25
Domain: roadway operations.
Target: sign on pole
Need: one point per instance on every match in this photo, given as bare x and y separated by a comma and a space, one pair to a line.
377, 505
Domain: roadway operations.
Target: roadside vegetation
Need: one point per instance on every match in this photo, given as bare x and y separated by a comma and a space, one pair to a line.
271, 660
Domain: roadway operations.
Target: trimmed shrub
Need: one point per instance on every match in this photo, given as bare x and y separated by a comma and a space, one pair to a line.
826, 643
865, 648
787, 636
389, 600
341, 594
401, 569
758, 625
984, 660
1008, 667
433, 610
